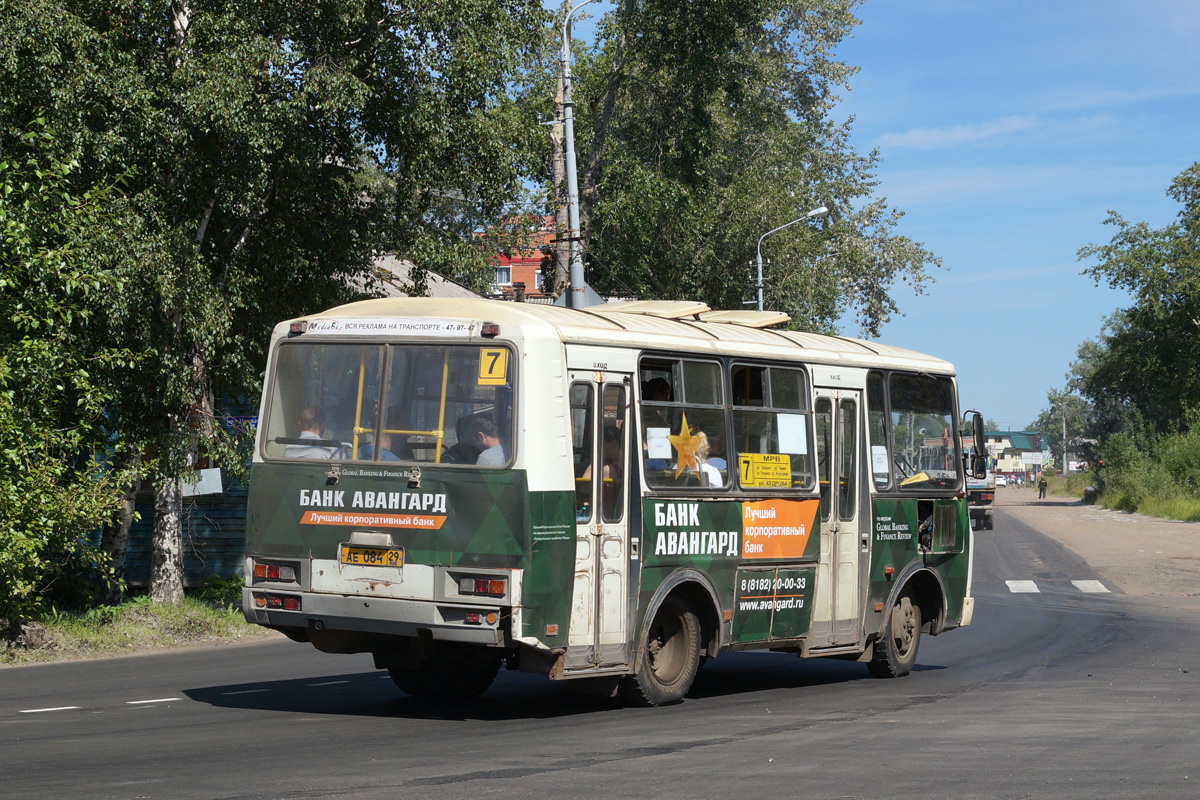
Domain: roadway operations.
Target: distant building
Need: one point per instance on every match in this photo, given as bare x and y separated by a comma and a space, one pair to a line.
1016, 452
519, 274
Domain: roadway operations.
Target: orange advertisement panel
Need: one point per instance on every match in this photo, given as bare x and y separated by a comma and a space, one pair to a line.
423, 521
777, 528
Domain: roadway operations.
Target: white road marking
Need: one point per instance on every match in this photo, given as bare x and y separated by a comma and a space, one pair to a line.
245, 691
1023, 587
157, 700
326, 683
41, 710
1095, 587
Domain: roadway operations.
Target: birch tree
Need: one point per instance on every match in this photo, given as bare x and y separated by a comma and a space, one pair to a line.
270, 150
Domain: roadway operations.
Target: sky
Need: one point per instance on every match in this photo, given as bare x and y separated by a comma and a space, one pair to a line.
1007, 131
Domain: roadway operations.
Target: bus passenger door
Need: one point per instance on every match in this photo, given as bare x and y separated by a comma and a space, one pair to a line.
836, 611
600, 599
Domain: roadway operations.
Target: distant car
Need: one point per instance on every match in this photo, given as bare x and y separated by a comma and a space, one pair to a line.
1001, 480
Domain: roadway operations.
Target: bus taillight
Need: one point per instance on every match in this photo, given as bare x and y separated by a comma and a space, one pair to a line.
274, 572
494, 587
282, 602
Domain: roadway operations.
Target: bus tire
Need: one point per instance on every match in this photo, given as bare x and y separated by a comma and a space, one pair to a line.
452, 673
896, 649
669, 658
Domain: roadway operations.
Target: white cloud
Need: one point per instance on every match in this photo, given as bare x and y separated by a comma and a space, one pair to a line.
1076, 99
1026, 186
954, 135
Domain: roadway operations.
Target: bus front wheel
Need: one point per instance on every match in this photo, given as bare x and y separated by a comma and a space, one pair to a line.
669, 659
896, 649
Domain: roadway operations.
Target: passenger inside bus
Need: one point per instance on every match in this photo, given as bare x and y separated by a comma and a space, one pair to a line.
655, 390
709, 475
462, 451
479, 431
397, 443
610, 490
312, 427
367, 451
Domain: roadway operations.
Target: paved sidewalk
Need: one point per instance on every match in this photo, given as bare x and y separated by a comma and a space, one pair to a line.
1143, 556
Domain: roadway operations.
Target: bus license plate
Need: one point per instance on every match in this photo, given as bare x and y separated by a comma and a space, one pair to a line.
371, 556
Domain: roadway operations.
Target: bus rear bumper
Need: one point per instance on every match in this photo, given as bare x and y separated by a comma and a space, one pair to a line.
376, 615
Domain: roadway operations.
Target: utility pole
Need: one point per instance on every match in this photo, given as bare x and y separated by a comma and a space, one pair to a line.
577, 290
1064, 416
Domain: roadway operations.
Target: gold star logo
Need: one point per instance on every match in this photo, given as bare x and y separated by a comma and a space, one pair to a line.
685, 447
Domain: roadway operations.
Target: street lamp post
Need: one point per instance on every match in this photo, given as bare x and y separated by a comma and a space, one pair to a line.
576, 292
816, 212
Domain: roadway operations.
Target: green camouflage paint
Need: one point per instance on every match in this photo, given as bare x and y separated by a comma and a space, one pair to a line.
894, 529
457, 517
769, 598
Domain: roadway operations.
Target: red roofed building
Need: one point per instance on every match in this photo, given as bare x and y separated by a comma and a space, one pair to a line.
516, 268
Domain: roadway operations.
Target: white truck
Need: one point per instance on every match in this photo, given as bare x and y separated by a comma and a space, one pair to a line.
981, 493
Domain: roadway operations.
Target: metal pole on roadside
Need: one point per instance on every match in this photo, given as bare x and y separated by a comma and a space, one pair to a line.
816, 212
1064, 420
577, 290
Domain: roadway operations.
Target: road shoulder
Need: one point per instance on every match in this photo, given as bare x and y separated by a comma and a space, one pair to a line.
1141, 556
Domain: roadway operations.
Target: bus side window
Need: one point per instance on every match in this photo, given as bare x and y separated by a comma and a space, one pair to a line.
881, 458
771, 424
582, 448
675, 390
824, 425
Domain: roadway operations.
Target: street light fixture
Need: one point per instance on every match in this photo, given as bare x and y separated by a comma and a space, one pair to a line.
816, 212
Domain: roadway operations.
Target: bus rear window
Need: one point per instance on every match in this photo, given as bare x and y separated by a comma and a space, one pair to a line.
429, 404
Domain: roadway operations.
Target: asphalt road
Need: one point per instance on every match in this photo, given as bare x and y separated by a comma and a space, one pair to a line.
1064, 692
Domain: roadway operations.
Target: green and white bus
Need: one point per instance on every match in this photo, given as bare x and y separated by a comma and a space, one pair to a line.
613, 494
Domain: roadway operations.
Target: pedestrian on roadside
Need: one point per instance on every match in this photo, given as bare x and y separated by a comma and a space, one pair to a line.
1042, 488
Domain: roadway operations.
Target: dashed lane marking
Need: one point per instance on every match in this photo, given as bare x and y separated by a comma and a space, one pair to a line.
1031, 587
169, 699
156, 700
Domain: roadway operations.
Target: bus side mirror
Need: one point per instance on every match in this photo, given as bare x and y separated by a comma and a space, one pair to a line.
979, 467
980, 438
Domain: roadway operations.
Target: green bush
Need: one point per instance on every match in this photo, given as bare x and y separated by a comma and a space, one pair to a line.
1158, 477
221, 592
52, 492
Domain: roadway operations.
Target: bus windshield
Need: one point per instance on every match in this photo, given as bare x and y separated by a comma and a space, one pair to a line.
923, 429
426, 403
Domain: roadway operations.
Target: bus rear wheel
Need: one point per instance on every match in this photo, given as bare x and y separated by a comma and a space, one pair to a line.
896, 649
669, 659
452, 672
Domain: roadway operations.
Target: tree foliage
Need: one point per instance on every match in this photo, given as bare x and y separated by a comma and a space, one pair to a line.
703, 125
1142, 366
270, 150
1063, 405
51, 490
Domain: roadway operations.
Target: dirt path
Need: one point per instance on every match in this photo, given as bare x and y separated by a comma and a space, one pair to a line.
1141, 555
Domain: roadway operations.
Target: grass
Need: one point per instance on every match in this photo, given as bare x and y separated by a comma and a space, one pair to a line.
1161, 506
1175, 507
138, 624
